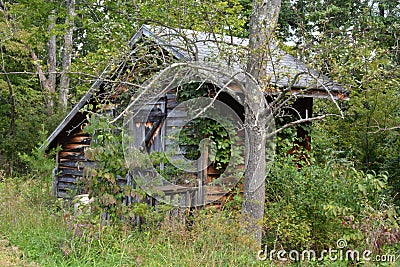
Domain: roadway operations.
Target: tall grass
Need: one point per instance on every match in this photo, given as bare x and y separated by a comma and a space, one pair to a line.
50, 234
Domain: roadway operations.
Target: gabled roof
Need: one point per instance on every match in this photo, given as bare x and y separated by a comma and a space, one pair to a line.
283, 70
188, 45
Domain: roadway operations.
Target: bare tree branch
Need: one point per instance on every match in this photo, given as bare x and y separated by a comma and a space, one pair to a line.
44, 82
300, 121
384, 129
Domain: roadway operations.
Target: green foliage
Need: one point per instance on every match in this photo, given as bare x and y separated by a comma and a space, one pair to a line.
343, 193
220, 17
373, 105
22, 107
201, 128
39, 164
314, 206
354, 42
103, 180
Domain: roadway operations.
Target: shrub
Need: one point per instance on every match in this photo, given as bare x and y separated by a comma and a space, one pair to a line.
314, 206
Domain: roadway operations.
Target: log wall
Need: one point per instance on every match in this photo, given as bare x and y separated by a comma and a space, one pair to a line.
70, 164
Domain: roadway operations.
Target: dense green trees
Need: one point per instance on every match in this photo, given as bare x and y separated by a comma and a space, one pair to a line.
39, 39
357, 43
354, 42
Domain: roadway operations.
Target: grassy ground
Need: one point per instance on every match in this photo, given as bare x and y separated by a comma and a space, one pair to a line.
12, 256
41, 233
36, 230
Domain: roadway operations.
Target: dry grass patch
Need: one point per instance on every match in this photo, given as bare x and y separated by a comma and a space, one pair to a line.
12, 256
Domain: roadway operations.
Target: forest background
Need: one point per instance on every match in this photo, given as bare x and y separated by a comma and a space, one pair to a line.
52, 51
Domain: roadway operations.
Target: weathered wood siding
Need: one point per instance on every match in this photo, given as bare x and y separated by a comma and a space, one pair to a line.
71, 160
70, 164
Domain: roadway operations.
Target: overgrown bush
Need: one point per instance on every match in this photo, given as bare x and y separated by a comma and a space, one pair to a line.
103, 179
314, 206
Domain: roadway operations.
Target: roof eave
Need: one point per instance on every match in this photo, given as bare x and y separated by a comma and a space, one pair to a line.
50, 141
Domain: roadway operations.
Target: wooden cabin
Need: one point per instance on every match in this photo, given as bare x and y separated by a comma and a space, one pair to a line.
284, 72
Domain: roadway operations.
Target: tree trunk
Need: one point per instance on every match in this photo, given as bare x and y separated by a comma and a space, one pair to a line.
52, 64
43, 81
67, 55
263, 20
48, 83
254, 180
262, 23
